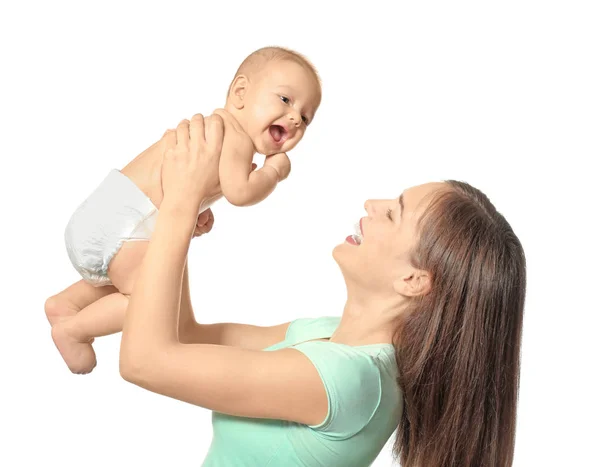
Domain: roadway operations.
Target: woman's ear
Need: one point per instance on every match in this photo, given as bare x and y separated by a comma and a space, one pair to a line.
237, 92
417, 283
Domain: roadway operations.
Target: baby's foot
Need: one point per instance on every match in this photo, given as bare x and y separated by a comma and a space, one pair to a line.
58, 310
79, 356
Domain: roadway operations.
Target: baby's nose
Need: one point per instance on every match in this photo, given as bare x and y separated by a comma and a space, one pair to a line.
295, 118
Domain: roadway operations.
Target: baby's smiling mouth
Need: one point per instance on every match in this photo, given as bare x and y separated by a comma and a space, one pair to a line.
278, 133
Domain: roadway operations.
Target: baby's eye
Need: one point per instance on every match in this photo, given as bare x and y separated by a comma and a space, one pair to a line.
285, 100
389, 214
305, 120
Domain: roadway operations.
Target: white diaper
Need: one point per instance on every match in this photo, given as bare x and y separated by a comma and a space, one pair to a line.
117, 211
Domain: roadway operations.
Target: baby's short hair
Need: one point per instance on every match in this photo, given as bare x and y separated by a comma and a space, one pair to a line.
259, 58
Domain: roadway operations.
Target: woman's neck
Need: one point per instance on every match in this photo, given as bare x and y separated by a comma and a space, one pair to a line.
365, 323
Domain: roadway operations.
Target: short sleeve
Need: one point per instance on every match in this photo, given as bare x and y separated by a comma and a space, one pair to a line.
352, 382
304, 329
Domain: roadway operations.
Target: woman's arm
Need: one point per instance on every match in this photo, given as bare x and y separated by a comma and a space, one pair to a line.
187, 322
280, 384
246, 336
233, 334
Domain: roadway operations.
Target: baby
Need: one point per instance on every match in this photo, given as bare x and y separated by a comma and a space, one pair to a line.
272, 99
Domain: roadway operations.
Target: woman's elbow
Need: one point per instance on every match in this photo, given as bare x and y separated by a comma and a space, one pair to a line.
132, 366
144, 367
126, 370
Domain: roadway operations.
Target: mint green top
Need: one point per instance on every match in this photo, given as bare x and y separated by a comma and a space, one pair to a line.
365, 405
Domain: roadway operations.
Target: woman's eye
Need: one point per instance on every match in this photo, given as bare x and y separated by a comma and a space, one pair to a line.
285, 99
389, 214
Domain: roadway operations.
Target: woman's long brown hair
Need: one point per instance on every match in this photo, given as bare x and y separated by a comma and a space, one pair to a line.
458, 347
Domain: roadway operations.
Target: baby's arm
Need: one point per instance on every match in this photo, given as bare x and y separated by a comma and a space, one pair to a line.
239, 184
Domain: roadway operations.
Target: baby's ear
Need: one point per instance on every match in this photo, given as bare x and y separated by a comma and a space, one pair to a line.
237, 92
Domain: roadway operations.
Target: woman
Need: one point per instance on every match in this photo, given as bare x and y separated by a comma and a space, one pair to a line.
428, 342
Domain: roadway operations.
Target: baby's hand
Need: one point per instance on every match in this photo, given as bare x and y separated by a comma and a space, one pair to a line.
204, 223
281, 163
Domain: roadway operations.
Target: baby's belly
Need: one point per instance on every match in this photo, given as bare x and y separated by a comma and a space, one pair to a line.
124, 267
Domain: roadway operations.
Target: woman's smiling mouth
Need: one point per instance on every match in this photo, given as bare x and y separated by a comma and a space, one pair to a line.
356, 238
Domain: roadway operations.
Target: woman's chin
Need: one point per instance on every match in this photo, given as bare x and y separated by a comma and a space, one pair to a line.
340, 251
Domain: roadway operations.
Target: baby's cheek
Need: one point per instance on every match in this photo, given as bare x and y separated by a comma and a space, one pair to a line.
255, 133
259, 143
295, 141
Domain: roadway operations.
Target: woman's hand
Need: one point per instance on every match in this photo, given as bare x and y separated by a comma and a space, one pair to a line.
190, 169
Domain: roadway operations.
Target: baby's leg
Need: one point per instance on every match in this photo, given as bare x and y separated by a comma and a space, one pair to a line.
102, 317
64, 307
73, 299
73, 336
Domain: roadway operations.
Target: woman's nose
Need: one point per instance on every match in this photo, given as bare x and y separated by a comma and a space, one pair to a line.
372, 206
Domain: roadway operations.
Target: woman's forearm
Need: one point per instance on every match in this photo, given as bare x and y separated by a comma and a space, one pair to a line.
187, 321
152, 316
189, 176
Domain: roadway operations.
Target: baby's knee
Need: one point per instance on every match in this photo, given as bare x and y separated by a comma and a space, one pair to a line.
52, 307
55, 307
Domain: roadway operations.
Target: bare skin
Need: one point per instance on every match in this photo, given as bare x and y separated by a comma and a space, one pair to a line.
60, 309
82, 312
281, 384
267, 111
241, 186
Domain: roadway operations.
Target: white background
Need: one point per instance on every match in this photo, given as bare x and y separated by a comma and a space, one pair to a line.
504, 96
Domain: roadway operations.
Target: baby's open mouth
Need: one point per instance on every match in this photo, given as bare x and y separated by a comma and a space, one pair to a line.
278, 133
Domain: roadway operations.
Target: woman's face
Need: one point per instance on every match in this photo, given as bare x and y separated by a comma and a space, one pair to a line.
389, 233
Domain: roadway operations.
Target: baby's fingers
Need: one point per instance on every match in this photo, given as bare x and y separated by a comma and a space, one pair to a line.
202, 218
211, 220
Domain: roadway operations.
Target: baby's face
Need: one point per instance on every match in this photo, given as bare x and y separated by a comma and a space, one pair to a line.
280, 103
